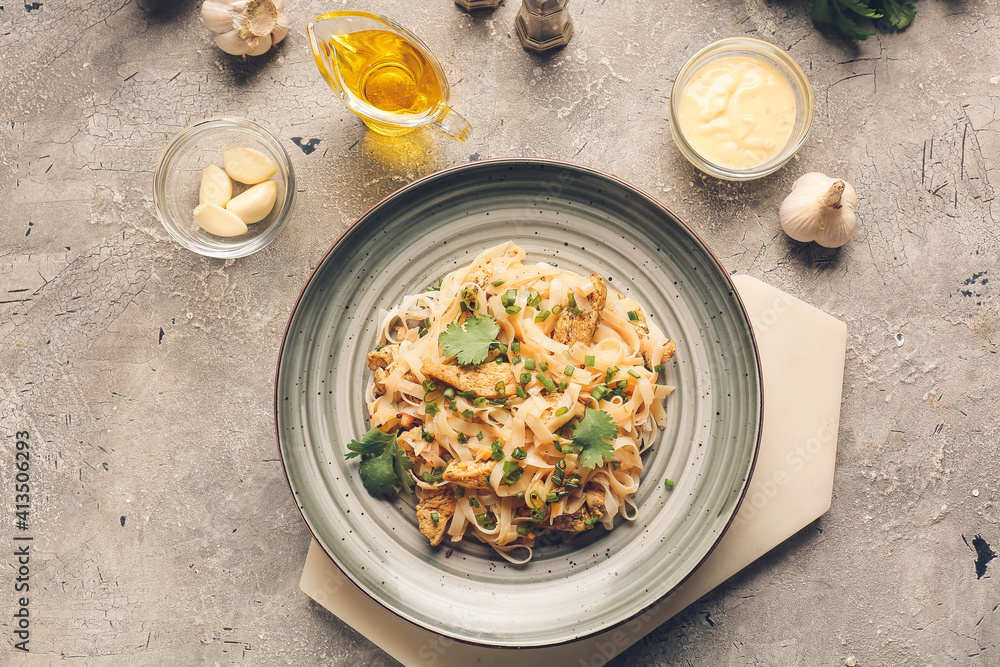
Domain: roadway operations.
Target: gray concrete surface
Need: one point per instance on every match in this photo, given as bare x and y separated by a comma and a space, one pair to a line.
163, 529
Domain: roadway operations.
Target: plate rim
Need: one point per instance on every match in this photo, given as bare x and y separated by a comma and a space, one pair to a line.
622, 183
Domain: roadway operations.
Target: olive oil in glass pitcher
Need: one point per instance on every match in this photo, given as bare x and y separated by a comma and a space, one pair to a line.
384, 74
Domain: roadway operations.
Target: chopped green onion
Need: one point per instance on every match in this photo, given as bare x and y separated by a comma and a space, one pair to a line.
589, 360
501, 348
487, 520
613, 371
529, 364
427, 436
435, 517
599, 392
500, 388
669, 483
481, 400
566, 449
435, 287
468, 413
468, 394
522, 530
516, 360
573, 482
590, 521
556, 309
511, 472
520, 494
497, 453
513, 310
572, 300
633, 316
542, 316
479, 436
474, 502
422, 333
508, 298
622, 384
546, 382
498, 283
525, 378
634, 374
551, 497
562, 385
569, 370
575, 311
498, 401
535, 301
462, 438
432, 409
519, 454
561, 411
449, 393
459, 491
521, 393
515, 346
544, 366
428, 386
615, 465
658, 368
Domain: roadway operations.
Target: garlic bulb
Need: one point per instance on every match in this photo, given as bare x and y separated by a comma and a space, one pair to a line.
245, 27
820, 209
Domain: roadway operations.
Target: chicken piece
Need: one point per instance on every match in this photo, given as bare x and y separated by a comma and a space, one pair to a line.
594, 497
593, 507
577, 521
470, 474
381, 358
579, 328
440, 500
383, 362
668, 352
481, 379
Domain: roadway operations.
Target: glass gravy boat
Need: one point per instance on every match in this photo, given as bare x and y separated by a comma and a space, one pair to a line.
384, 74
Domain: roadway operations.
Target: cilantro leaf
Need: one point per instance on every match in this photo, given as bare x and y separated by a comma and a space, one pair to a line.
593, 437
899, 14
373, 442
471, 344
385, 465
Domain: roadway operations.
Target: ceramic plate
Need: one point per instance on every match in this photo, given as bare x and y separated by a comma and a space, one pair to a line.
585, 221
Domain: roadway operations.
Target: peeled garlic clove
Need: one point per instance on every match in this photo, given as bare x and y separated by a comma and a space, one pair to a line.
820, 209
247, 165
216, 188
254, 204
232, 43
217, 220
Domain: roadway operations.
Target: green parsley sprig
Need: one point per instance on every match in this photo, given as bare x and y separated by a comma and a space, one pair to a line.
844, 14
470, 344
593, 438
384, 465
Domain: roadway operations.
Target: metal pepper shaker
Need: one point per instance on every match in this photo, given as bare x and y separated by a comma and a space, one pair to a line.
472, 5
543, 24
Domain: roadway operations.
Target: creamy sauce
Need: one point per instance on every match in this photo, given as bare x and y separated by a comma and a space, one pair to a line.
737, 111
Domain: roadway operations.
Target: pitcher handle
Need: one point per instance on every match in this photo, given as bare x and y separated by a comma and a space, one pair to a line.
451, 124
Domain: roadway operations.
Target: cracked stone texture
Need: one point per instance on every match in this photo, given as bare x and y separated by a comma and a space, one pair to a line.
165, 532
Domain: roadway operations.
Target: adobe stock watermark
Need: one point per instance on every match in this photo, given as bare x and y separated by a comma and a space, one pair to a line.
773, 313
762, 492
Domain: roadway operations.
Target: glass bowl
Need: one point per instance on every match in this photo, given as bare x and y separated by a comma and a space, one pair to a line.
769, 55
177, 181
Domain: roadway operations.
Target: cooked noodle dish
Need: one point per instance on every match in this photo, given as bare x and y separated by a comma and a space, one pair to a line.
513, 402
